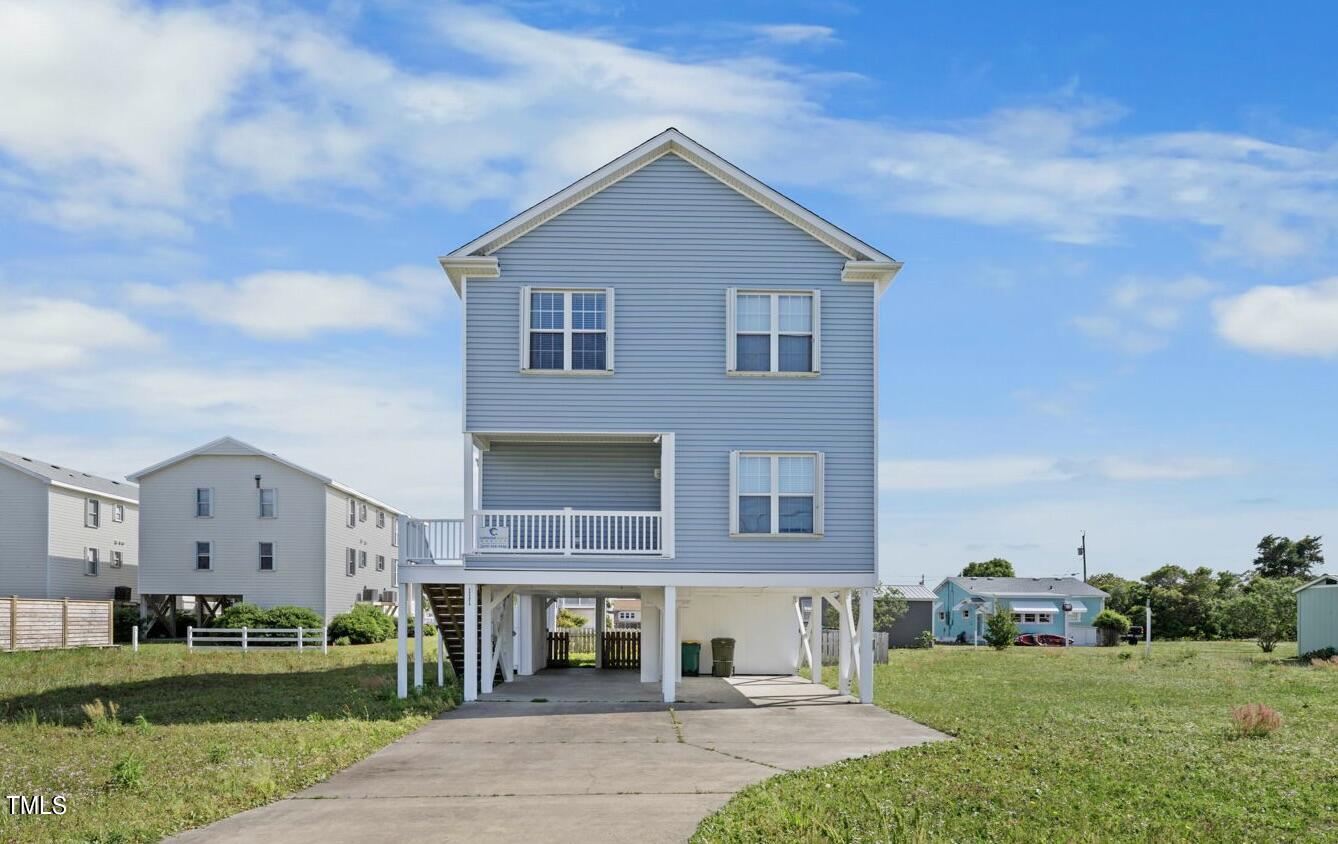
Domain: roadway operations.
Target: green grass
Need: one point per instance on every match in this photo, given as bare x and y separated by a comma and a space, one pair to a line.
152, 743
1073, 745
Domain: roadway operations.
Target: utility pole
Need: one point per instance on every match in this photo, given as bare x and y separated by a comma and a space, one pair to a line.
1082, 552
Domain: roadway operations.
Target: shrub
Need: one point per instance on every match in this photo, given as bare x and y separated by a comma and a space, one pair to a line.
1112, 625
362, 625
128, 773
429, 629
1323, 654
568, 619
240, 614
291, 617
342, 641
105, 719
1320, 662
924, 639
1000, 631
124, 619
1254, 720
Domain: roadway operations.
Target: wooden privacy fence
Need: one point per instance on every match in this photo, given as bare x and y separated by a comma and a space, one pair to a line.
622, 649
31, 624
257, 637
831, 647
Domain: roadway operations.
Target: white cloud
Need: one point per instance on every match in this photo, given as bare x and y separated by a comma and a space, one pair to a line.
289, 305
1011, 470
42, 333
1139, 315
797, 33
1298, 320
212, 102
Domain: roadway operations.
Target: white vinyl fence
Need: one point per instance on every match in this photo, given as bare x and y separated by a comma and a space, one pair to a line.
831, 647
266, 638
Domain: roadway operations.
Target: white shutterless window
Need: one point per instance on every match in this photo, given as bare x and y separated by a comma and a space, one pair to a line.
566, 331
776, 493
204, 556
773, 332
266, 554
269, 503
92, 513
91, 562
204, 503
352, 513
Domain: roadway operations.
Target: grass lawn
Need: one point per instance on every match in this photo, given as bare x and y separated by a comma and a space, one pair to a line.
196, 736
1073, 745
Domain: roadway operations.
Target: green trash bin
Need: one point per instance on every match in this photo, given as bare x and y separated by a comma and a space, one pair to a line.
692, 658
722, 657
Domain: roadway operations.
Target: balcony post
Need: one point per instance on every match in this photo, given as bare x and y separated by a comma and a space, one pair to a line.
566, 531
667, 486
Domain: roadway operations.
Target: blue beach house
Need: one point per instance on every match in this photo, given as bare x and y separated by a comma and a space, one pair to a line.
1064, 606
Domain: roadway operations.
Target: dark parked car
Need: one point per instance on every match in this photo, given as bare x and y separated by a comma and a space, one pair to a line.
1134, 636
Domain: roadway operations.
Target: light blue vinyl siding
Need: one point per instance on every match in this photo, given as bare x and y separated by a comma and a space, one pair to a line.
950, 594
585, 476
671, 240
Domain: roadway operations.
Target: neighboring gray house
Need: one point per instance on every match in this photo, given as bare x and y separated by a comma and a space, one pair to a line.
670, 394
65, 533
919, 617
227, 522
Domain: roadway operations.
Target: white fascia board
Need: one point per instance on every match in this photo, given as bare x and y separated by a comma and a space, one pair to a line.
96, 493
878, 273
1305, 586
247, 448
551, 577
468, 266
675, 142
348, 490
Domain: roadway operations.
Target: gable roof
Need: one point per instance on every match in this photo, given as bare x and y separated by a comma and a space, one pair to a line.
914, 591
1322, 580
474, 259
1025, 586
64, 476
230, 446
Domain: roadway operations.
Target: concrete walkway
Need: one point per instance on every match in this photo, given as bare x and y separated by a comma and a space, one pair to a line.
593, 760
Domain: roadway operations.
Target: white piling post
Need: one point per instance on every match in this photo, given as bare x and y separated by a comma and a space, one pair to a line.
299, 638
243, 639
325, 640
190, 639
441, 656
1147, 627
134, 639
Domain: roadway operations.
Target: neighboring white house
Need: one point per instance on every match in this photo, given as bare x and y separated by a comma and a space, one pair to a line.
228, 522
65, 533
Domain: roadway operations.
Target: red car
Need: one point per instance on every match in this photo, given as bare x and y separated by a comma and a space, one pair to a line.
1049, 640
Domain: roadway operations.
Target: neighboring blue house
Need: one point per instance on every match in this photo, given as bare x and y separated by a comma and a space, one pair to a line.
1064, 606
708, 445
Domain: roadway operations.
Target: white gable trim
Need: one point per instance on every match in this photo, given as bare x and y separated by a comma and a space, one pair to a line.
671, 141
1317, 580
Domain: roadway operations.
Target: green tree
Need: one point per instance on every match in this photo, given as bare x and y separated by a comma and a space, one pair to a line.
1112, 625
1264, 611
1124, 594
1000, 631
997, 567
888, 606
1279, 556
568, 619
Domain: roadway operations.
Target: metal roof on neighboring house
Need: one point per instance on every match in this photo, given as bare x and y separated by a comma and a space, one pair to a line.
1026, 586
914, 591
65, 476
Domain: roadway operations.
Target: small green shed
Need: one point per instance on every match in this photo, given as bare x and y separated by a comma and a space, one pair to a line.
1317, 614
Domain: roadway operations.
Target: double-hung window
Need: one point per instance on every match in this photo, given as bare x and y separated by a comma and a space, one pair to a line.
117, 559
380, 562
380, 519
118, 512
267, 556
362, 511
91, 562
776, 493
204, 556
566, 330
269, 503
92, 513
773, 332
362, 559
352, 513
204, 503
352, 559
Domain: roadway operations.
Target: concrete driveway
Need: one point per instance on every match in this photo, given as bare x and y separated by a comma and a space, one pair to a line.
580, 755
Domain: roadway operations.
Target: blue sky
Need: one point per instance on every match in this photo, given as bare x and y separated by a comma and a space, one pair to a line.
1119, 311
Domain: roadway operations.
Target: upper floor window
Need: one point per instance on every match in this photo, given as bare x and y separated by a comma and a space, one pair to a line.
92, 513
267, 556
204, 503
117, 559
351, 561
352, 513
362, 511
269, 502
566, 330
394, 533
773, 332
91, 562
380, 518
776, 493
362, 559
380, 562
118, 512
204, 556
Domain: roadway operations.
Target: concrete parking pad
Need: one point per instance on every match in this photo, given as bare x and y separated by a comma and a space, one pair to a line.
594, 759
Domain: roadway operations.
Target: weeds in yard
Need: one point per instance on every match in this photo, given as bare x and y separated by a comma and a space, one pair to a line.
104, 718
376, 682
1254, 720
1331, 663
142, 725
218, 753
128, 773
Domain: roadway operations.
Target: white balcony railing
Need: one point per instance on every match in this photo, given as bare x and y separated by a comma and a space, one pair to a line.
568, 531
433, 540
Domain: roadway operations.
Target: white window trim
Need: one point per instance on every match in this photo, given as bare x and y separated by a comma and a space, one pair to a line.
352, 513
362, 559
91, 562
116, 558
273, 556
260, 508
351, 562
380, 519
394, 532
380, 562
92, 513
362, 511
195, 505
195, 565
567, 331
118, 513
732, 333
819, 505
